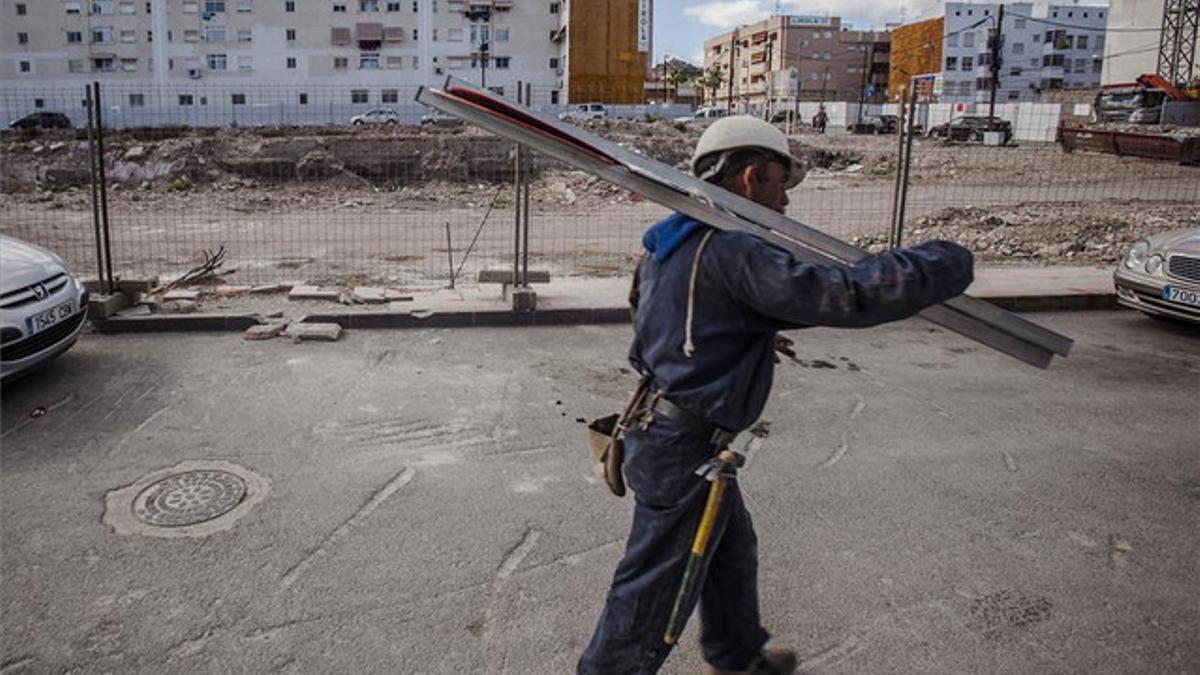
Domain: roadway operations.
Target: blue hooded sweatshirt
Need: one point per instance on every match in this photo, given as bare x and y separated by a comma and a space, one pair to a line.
747, 290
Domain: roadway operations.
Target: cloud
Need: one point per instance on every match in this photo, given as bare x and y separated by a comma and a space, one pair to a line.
728, 14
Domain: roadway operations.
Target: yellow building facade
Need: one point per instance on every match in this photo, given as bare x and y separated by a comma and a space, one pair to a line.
916, 50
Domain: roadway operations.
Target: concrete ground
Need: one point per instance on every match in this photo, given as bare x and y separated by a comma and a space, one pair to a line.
923, 505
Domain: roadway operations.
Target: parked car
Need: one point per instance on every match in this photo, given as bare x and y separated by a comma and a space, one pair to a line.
377, 116
703, 115
971, 128
42, 120
1160, 276
441, 119
876, 124
42, 306
585, 111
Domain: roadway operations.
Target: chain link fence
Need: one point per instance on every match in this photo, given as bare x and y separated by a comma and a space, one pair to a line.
346, 185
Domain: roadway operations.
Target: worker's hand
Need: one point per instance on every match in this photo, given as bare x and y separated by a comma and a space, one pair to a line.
783, 345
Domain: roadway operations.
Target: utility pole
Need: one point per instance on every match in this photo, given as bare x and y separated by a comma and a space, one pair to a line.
997, 38
862, 89
769, 107
732, 49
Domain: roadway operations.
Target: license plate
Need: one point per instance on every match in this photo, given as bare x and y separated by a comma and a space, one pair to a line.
43, 320
1181, 295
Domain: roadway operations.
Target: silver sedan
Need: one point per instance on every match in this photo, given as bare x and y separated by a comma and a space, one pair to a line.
42, 306
1160, 276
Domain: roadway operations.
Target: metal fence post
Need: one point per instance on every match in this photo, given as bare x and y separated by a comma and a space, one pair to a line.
899, 163
91, 138
103, 179
907, 165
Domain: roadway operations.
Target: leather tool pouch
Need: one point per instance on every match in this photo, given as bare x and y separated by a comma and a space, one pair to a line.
606, 435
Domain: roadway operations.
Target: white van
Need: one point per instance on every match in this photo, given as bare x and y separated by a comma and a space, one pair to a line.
585, 111
708, 114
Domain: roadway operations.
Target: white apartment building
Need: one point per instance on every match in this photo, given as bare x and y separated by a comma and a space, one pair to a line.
373, 48
1132, 48
1057, 49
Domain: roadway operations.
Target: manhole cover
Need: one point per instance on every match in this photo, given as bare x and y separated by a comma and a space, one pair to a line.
189, 498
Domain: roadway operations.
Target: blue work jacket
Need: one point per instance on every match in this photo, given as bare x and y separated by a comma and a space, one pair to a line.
746, 290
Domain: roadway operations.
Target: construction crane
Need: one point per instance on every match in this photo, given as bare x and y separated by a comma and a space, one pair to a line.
1177, 41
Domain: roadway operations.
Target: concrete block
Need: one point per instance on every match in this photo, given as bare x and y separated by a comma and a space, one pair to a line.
137, 284
181, 294
136, 310
392, 295
522, 299
101, 307
329, 332
312, 293
370, 295
268, 288
264, 332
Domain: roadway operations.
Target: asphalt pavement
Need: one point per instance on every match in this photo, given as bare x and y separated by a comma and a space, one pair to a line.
423, 503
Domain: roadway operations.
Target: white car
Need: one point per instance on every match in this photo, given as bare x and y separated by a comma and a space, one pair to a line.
1160, 276
703, 115
377, 116
585, 111
42, 306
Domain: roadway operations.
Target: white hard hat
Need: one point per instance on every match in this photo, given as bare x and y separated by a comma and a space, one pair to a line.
743, 132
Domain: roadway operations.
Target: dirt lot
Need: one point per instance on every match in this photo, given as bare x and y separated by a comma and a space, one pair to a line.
344, 201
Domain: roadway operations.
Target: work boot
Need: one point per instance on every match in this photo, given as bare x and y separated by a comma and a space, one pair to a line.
771, 661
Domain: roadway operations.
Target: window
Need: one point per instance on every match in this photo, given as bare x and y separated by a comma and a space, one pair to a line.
433, 6
149, 36
102, 7
968, 40
554, 97
1015, 72
104, 64
359, 96
214, 6
20, 9
395, 62
368, 61
23, 38
186, 99
339, 7
554, 8
1081, 42
1099, 43
434, 36
368, 5
190, 35
415, 8
1018, 48
290, 34
416, 62
952, 40
951, 63
454, 35
1037, 38
501, 35
1033, 62
393, 7
289, 6
245, 6
341, 63
303, 98
1014, 95
554, 63
414, 35
244, 36
501, 62
127, 8
390, 96
137, 100
245, 62
499, 91
129, 65
214, 34
75, 66
1081, 65
26, 66
1097, 66
1019, 24
128, 36
237, 99
190, 7
71, 7
102, 35
216, 61
291, 63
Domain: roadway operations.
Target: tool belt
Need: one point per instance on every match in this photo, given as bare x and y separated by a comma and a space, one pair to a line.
606, 435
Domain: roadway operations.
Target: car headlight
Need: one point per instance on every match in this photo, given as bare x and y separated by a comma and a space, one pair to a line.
1154, 264
1137, 254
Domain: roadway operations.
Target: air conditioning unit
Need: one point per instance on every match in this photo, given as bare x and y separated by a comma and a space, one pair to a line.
437, 70
194, 73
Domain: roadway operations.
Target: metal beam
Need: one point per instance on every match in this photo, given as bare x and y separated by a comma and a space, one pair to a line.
711, 204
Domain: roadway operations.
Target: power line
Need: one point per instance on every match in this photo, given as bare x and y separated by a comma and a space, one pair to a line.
1078, 27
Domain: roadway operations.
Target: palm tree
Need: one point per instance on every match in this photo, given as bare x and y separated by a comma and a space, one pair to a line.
675, 77
711, 81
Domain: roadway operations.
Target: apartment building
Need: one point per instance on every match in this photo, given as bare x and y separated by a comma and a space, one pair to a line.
1131, 49
1061, 47
373, 46
787, 58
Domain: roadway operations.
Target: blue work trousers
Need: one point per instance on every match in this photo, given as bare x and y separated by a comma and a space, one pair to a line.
659, 466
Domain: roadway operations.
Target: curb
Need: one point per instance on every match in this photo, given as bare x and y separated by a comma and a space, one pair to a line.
201, 323
182, 323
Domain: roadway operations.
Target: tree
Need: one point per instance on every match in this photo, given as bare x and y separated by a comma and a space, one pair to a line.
711, 81
675, 77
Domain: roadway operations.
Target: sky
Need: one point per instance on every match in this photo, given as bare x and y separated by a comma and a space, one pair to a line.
682, 26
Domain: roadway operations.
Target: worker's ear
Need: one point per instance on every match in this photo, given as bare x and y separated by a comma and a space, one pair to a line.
746, 179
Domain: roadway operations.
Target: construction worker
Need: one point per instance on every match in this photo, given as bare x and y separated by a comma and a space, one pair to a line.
708, 307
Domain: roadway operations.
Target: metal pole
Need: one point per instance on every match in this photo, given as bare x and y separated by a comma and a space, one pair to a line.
526, 170
907, 165
995, 55
899, 160
732, 74
103, 181
450, 254
91, 137
862, 89
516, 274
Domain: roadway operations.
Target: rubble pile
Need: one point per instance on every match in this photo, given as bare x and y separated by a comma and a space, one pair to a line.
1043, 233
